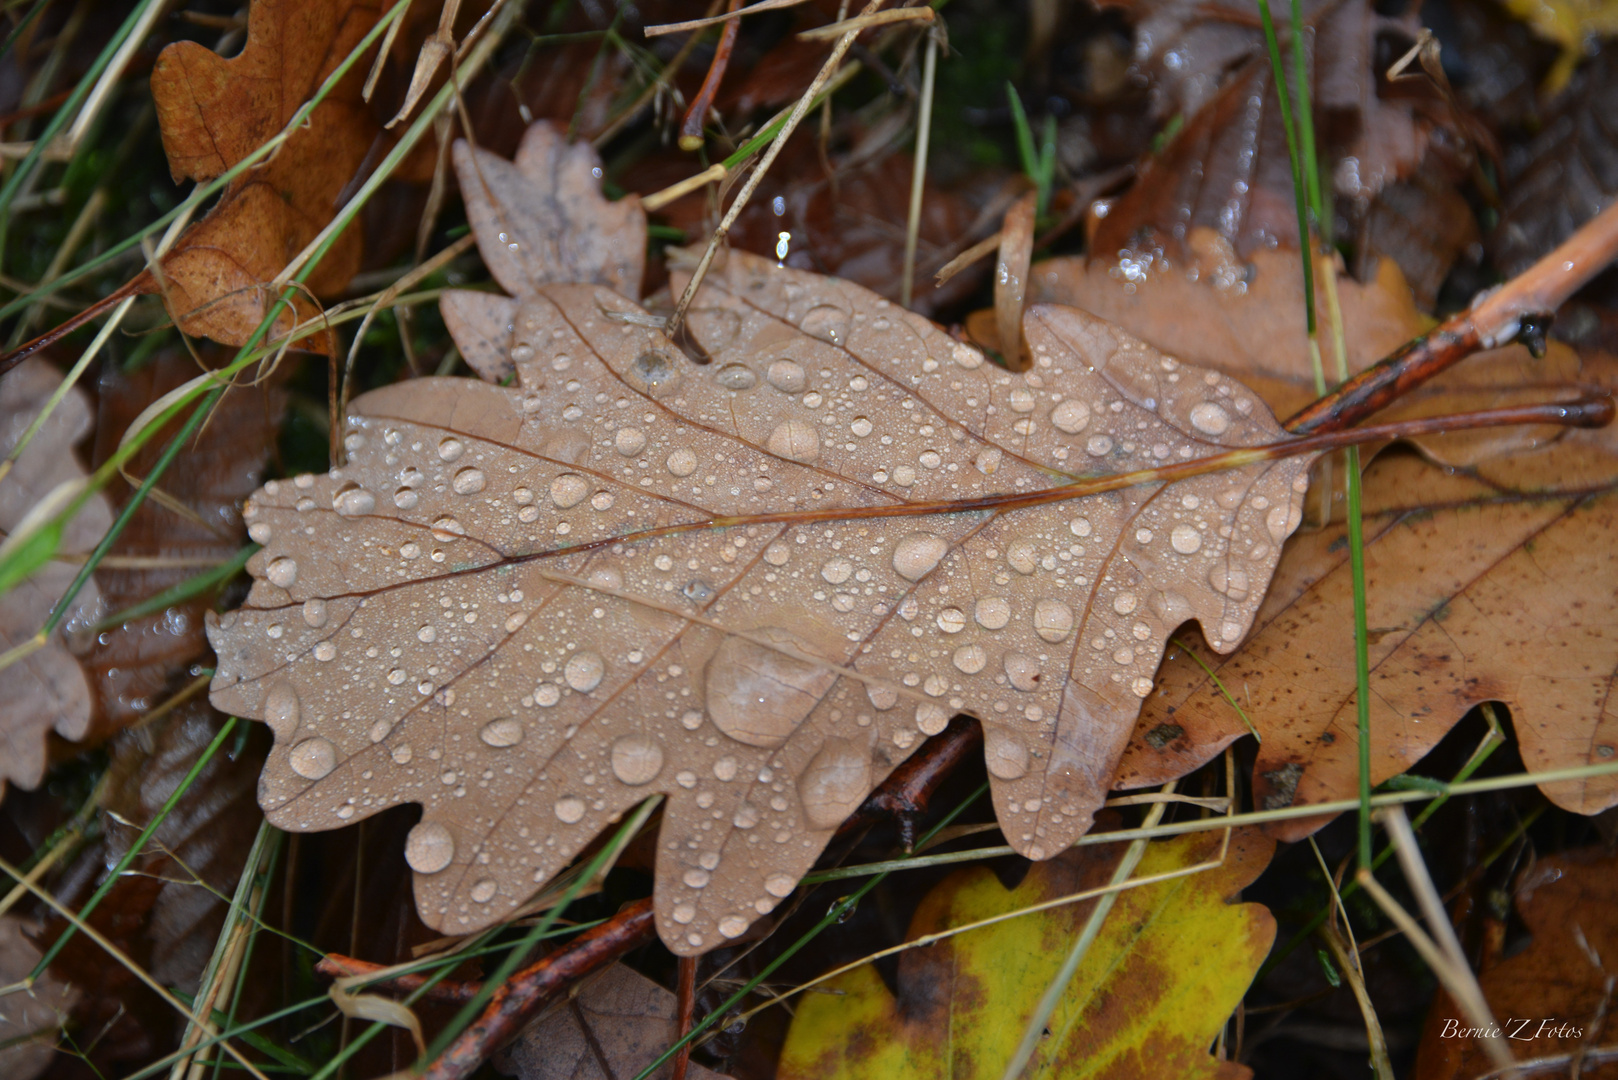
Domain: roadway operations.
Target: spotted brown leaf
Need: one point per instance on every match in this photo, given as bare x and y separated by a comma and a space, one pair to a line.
752, 586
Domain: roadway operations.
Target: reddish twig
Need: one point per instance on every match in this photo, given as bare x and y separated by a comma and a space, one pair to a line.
528, 991
686, 1011
697, 114
52, 336
338, 966
1493, 319
904, 795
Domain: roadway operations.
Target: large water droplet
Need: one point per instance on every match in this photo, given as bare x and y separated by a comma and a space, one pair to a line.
636, 759
917, 554
780, 886
469, 481
282, 571
759, 695
835, 783
971, 658
683, 462
1281, 520
584, 671
655, 368
1053, 620
629, 441
1210, 418
568, 490
1006, 758
732, 926
485, 890
451, 448
736, 377
1022, 671
796, 440
837, 571
931, 718
827, 323
1228, 580
430, 847
992, 612
1071, 416
786, 376
569, 809
314, 613
313, 758
501, 732
353, 501
1185, 539
282, 710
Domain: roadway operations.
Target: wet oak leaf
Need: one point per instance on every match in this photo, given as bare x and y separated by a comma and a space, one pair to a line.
45, 690
618, 1024
31, 1019
1549, 994
748, 586
213, 113
1169, 966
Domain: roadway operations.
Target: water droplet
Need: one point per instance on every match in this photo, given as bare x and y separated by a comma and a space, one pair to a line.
988, 462
1071, 416
1006, 758
502, 732
966, 356
484, 891
696, 878
736, 377
447, 530
1231, 631
569, 809
1023, 556
952, 620
353, 501
655, 368
282, 571
1228, 581
402, 754
917, 554
861, 426
786, 376
1125, 655
1098, 446
1142, 687
930, 718
584, 671
405, 499
1124, 603
1053, 620
430, 847
1210, 418
732, 926
777, 554
259, 532
827, 323
1022, 400
835, 783
971, 659
313, 758
992, 612
568, 490
636, 759
796, 440
1022, 671
314, 613
325, 651
684, 913
1282, 520
682, 462
759, 695
882, 698
780, 886
469, 481
451, 448
629, 441
282, 710
427, 634
1185, 539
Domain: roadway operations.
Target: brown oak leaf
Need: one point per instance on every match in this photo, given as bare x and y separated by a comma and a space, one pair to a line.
752, 586
44, 690
213, 113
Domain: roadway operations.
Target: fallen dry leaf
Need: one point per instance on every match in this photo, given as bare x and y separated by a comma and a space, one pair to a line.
44, 690
474, 616
31, 1019
213, 113
613, 1028
1169, 966
1549, 996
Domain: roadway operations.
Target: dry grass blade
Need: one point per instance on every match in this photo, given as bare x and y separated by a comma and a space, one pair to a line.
715, 20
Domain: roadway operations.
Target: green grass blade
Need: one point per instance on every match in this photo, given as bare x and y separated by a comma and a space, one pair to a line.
179, 593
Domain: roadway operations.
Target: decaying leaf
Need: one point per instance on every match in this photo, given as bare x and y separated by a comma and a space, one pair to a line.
613, 1028
747, 586
214, 112
32, 1018
1169, 966
539, 220
44, 690
1555, 996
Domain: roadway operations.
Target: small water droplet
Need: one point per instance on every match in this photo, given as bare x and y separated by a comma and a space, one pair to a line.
655, 368
502, 732
780, 886
1098, 445
569, 809
402, 754
684, 913
1228, 581
1022, 400
827, 323
469, 481
282, 571
313, 758
1142, 687
447, 530
682, 462
952, 620
966, 356
1281, 520
988, 461
325, 651
629, 441
917, 554
584, 671
430, 847
696, 878
636, 759
484, 891
568, 490
260, 532
725, 768
405, 499
777, 554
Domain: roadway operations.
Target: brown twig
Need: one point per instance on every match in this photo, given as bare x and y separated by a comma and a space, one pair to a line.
1495, 318
695, 116
686, 1008
338, 966
904, 795
52, 336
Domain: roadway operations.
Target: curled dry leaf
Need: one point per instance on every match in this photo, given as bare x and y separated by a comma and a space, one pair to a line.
213, 113
538, 220
45, 689
1011, 280
1554, 996
752, 587
618, 1024
32, 1018
1169, 966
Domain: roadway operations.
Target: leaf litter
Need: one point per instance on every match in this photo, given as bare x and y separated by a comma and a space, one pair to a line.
529, 608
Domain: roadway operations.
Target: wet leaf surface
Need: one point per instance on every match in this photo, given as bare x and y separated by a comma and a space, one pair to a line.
613, 1028
45, 690
30, 1019
515, 607
1169, 965
1554, 996
213, 113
